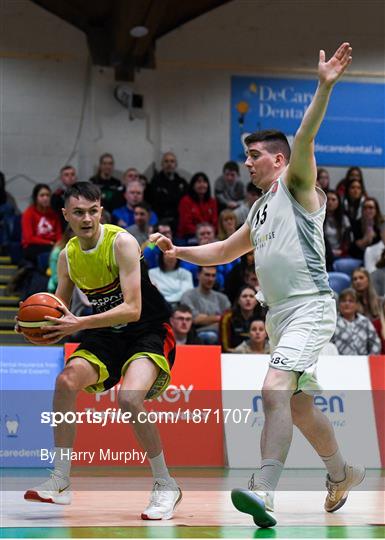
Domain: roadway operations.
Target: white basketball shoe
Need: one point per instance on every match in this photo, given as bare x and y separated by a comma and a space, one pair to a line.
165, 496
55, 490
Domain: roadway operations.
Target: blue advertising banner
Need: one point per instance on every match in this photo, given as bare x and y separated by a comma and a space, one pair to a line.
352, 133
27, 378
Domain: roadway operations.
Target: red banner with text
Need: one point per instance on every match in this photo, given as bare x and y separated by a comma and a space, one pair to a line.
188, 415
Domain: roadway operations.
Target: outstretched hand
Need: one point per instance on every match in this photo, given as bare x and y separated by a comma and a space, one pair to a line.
163, 243
329, 72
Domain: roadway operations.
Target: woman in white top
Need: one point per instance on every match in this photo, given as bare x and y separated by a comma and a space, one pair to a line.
171, 280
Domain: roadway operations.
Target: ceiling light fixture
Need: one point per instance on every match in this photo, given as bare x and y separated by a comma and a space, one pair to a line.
139, 31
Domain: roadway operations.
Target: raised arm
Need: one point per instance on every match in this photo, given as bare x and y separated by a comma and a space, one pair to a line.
301, 173
212, 254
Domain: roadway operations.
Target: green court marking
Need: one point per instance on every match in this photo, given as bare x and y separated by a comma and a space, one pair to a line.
374, 531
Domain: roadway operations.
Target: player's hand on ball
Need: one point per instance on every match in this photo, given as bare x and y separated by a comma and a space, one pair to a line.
163, 243
65, 326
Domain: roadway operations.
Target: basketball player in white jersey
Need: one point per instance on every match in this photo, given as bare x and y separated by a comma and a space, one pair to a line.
284, 227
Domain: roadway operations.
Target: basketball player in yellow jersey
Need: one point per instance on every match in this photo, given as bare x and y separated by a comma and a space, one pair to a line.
127, 335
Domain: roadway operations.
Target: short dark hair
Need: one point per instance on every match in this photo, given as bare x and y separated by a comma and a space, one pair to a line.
88, 191
275, 141
36, 190
231, 166
66, 167
143, 205
105, 155
181, 307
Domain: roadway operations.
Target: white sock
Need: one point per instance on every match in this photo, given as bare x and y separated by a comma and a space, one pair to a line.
62, 461
159, 467
335, 465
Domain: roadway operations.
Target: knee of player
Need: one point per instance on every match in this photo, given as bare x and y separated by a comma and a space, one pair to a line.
273, 397
301, 415
67, 381
130, 400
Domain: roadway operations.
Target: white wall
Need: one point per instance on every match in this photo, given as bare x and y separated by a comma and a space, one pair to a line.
46, 85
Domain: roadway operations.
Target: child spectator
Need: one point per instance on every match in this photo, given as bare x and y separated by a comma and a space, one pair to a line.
227, 224
257, 342
235, 323
355, 334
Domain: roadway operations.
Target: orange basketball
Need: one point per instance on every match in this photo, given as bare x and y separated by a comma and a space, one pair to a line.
32, 311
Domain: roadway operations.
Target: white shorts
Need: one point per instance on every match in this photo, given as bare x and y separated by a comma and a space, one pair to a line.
298, 330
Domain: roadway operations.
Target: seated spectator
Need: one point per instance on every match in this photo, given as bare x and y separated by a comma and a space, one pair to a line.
205, 234
336, 225
229, 188
252, 195
353, 200
8, 211
111, 188
227, 224
68, 177
239, 275
323, 179
151, 252
54, 257
257, 342
166, 190
373, 253
124, 216
235, 323
40, 225
353, 173
366, 230
378, 276
207, 305
197, 206
181, 323
355, 334
130, 175
141, 229
367, 298
171, 280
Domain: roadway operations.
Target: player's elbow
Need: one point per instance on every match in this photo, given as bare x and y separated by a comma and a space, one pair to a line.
135, 312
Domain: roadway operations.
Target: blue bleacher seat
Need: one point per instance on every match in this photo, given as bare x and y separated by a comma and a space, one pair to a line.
339, 281
346, 265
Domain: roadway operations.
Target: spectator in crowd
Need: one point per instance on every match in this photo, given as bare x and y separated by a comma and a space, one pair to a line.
197, 206
8, 211
238, 275
323, 179
130, 175
40, 225
206, 305
353, 173
336, 225
257, 342
166, 190
205, 234
367, 298
111, 187
53, 259
235, 323
181, 323
170, 279
252, 195
229, 188
378, 276
151, 251
373, 253
124, 216
379, 325
366, 229
353, 200
355, 334
141, 229
68, 177
227, 224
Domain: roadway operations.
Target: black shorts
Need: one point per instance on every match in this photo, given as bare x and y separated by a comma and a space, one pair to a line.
111, 352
